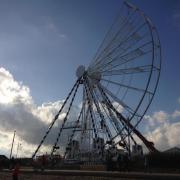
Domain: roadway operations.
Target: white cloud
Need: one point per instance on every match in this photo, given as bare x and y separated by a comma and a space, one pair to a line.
53, 28
157, 118
118, 107
176, 114
12, 91
165, 136
160, 116
162, 131
19, 112
150, 120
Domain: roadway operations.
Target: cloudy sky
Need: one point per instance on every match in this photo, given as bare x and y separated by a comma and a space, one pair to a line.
42, 42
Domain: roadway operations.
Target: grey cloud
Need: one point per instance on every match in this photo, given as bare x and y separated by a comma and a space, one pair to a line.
29, 127
29, 120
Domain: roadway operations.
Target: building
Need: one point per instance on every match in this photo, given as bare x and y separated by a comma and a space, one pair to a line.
4, 161
73, 150
173, 150
137, 150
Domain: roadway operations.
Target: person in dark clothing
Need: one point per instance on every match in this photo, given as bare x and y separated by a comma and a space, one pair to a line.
120, 162
15, 174
12, 163
109, 162
126, 162
43, 163
146, 164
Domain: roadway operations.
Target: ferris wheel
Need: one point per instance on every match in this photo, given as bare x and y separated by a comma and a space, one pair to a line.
117, 88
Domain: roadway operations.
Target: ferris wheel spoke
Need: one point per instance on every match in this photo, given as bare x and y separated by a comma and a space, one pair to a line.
113, 121
133, 70
109, 114
128, 87
115, 124
117, 45
115, 127
132, 36
115, 60
98, 108
130, 56
91, 111
116, 99
124, 131
118, 125
130, 40
116, 55
130, 26
124, 22
128, 124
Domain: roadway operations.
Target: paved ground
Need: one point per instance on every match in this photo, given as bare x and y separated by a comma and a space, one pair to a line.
85, 175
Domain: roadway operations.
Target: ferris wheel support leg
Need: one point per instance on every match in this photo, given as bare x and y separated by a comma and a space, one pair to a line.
119, 130
65, 119
122, 142
98, 108
148, 144
91, 112
54, 120
73, 132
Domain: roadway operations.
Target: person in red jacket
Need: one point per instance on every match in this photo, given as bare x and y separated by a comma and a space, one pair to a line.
16, 172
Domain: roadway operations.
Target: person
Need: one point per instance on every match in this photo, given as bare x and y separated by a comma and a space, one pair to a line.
120, 161
15, 174
126, 162
43, 163
12, 163
1, 164
109, 161
146, 163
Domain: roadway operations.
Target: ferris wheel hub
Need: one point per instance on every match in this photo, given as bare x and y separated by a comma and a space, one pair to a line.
95, 77
80, 71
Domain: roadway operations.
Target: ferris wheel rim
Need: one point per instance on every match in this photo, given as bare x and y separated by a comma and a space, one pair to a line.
151, 29
92, 84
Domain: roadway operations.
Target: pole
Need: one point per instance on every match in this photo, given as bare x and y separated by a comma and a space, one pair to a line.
18, 148
12, 145
129, 142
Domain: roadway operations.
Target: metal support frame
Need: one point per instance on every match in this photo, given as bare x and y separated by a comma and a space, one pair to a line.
64, 120
148, 144
55, 118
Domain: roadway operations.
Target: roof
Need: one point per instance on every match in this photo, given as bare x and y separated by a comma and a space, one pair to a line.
3, 157
173, 150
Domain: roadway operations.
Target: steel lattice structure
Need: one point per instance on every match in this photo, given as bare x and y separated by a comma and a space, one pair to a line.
118, 86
